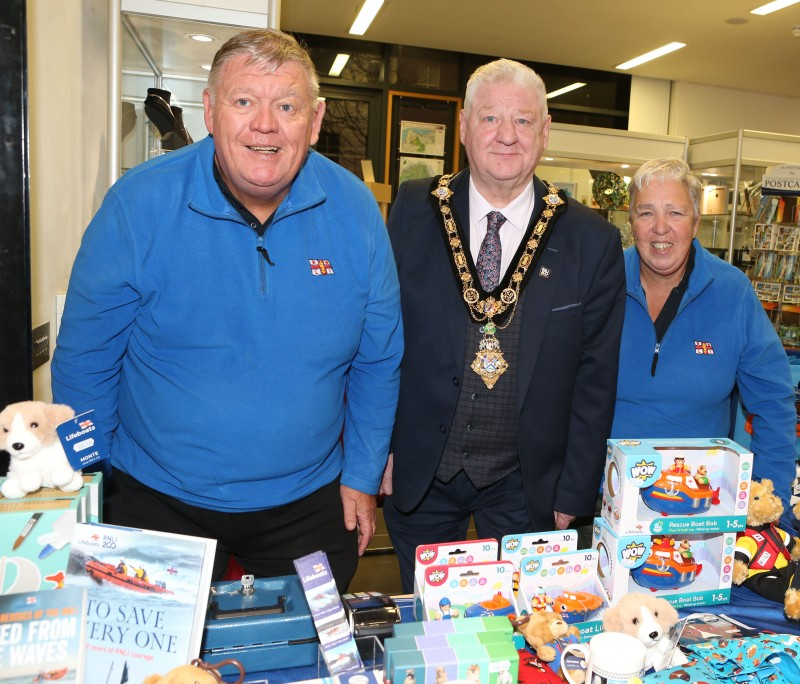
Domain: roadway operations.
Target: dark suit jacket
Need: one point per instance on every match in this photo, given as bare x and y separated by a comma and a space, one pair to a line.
568, 355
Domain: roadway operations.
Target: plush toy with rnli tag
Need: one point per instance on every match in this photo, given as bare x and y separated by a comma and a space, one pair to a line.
766, 556
37, 459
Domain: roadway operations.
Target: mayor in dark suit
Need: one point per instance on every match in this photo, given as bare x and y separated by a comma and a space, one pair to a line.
513, 298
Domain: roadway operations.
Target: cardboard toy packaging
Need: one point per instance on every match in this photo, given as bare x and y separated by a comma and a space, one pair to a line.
566, 583
438, 555
675, 486
686, 570
487, 663
518, 547
35, 537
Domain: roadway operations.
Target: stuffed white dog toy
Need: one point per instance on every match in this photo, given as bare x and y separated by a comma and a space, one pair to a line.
649, 619
28, 434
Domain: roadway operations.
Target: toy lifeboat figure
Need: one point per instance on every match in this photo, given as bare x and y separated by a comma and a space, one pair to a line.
667, 566
497, 605
576, 606
105, 572
678, 492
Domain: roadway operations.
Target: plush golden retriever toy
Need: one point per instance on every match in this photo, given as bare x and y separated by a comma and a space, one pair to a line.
197, 672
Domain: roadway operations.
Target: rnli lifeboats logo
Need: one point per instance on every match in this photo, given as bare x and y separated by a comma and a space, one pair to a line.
642, 470
531, 567
320, 267
633, 552
703, 348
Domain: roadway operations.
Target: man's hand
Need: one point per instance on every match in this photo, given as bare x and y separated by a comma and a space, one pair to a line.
563, 521
386, 482
359, 513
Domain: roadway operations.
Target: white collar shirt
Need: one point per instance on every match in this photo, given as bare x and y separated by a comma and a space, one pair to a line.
517, 214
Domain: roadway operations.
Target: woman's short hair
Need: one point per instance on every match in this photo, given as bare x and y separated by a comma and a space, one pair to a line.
506, 71
660, 170
268, 49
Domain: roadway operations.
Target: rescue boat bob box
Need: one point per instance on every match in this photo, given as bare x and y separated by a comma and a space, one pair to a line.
676, 486
686, 570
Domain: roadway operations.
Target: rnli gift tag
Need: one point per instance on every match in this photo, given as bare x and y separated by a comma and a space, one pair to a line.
82, 440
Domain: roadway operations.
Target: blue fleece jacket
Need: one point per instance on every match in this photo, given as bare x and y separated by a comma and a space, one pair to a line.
220, 379
689, 395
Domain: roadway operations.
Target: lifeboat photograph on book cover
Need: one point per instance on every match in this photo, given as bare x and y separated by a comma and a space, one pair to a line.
147, 598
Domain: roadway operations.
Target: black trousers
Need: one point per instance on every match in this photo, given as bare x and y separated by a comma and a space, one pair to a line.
264, 542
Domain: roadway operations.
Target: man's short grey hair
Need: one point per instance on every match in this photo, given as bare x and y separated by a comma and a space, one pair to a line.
268, 49
506, 71
660, 170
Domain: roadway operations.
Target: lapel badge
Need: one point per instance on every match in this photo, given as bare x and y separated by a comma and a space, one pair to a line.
544, 272
320, 267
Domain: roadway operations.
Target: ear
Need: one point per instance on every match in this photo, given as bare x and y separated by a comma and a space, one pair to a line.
612, 620
316, 121
58, 413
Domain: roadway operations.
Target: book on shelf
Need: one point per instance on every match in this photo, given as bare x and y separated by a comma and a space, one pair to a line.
43, 636
147, 599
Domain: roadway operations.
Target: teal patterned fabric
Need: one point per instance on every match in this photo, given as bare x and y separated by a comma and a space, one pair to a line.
767, 659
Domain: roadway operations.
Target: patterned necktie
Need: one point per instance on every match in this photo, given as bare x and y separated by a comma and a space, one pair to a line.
489, 255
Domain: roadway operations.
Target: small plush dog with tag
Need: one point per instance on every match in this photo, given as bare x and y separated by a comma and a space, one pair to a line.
28, 434
649, 619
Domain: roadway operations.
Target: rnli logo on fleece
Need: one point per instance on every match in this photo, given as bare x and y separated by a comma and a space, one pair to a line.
703, 348
320, 267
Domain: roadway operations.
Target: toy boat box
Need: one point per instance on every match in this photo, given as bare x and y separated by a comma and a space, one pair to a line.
265, 624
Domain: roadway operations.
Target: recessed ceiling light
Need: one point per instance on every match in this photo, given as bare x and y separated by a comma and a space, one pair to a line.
365, 17
548, 158
207, 67
565, 89
712, 175
653, 54
338, 64
624, 166
201, 37
773, 6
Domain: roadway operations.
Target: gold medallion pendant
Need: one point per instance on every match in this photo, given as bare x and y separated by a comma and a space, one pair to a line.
489, 362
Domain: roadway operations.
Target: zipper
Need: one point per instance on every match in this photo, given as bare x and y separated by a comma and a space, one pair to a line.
262, 264
655, 359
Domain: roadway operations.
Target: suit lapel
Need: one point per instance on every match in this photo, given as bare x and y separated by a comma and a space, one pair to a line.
537, 304
452, 301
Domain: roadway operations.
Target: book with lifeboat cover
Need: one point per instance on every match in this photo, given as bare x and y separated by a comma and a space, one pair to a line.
42, 636
147, 595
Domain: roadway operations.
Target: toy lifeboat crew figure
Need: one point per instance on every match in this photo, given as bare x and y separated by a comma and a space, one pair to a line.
679, 466
541, 601
685, 551
446, 611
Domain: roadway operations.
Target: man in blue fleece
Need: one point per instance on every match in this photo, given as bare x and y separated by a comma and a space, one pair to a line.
694, 330
225, 299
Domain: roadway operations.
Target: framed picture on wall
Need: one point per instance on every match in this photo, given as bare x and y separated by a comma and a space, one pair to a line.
419, 167
570, 189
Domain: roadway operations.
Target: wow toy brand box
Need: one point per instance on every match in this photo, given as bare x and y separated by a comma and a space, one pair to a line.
517, 548
686, 570
566, 583
467, 590
675, 486
438, 555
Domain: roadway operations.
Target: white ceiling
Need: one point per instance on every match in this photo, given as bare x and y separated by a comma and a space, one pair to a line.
726, 45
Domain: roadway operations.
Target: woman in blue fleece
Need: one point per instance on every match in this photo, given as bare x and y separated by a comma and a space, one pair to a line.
694, 330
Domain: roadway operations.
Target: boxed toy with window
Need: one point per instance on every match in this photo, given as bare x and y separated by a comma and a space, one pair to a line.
467, 590
455, 553
686, 570
675, 486
566, 583
519, 547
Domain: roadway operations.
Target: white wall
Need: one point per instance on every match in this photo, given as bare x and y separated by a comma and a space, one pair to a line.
693, 110
67, 58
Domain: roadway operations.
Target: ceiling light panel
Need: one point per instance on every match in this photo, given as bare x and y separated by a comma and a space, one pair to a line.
648, 56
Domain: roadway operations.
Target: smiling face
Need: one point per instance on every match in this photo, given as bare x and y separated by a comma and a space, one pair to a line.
664, 224
504, 133
263, 124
